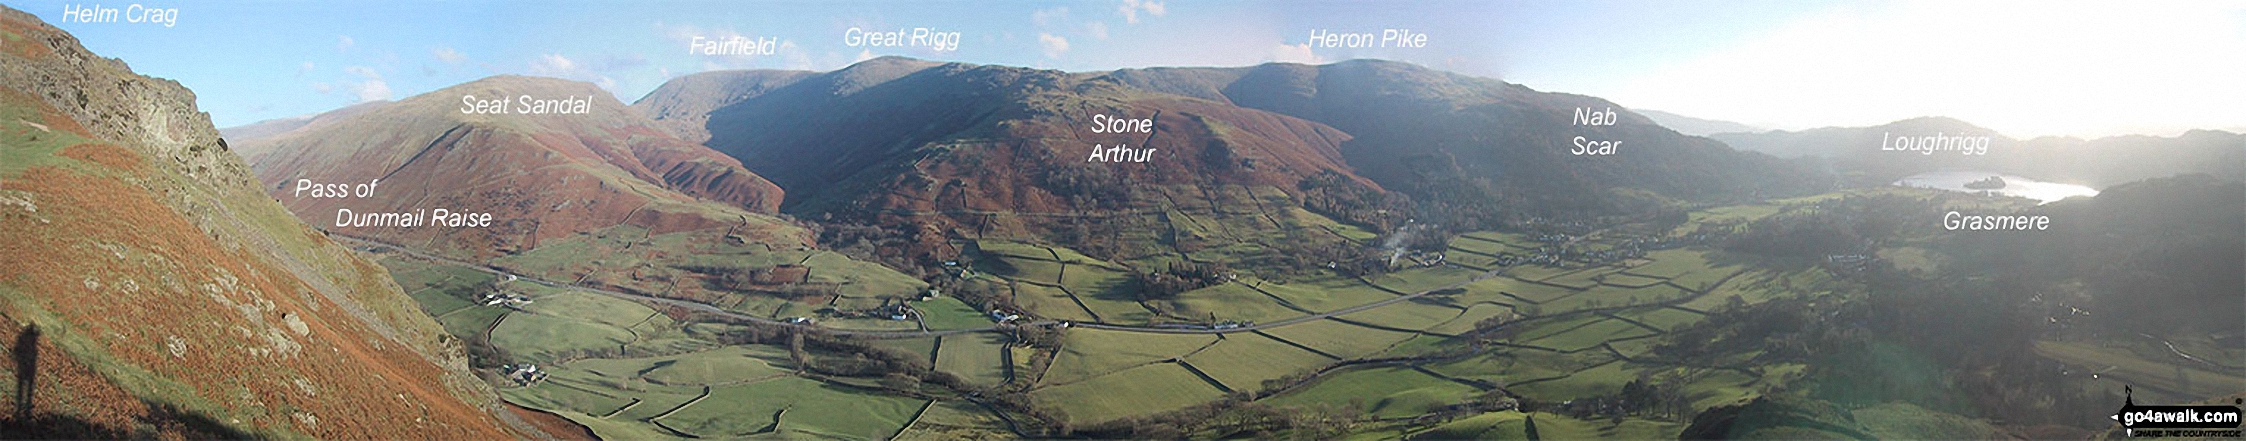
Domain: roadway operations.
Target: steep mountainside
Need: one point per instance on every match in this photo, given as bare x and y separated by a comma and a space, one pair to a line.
151, 290
948, 145
1483, 143
2099, 162
682, 106
541, 176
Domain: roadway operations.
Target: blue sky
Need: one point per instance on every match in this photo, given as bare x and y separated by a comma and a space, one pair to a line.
1784, 64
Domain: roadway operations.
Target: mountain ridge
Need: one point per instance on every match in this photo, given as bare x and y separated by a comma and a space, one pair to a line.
2098, 162
1482, 142
1696, 126
601, 167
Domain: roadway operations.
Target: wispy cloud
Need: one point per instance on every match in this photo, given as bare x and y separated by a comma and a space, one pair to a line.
344, 43
373, 88
1097, 29
1132, 8
1296, 53
449, 55
1049, 17
1053, 45
558, 66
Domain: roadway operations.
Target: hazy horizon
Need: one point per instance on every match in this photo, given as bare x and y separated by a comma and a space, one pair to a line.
2018, 70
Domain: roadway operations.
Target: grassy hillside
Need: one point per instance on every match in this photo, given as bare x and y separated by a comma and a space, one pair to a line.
169, 296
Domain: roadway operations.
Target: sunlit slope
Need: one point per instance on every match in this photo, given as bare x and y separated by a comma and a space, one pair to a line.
542, 176
171, 297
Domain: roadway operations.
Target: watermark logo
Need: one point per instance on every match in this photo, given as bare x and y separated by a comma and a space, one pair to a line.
2178, 421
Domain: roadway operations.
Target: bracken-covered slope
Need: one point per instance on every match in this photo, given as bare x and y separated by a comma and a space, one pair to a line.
541, 176
150, 289
1480, 142
949, 145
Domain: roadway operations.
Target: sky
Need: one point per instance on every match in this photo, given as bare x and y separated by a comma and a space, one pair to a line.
2025, 69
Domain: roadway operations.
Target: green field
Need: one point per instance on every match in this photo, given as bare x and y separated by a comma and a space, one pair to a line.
1502, 290
1043, 286
1049, 302
1521, 289
543, 338
438, 289
1142, 390
663, 368
1583, 278
1590, 335
1424, 279
1473, 245
1625, 280
793, 408
1326, 293
1233, 301
1533, 330
1598, 380
1105, 292
945, 313
923, 348
1685, 268
1412, 315
1338, 339
1610, 297
947, 420
1088, 353
1734, 214
1387, 392
1473, 315
1665, 319
592, 393
717, 366
466, 322
680, 264
1514, 425
1243, 361
1569, 333
1519, 366
978, 358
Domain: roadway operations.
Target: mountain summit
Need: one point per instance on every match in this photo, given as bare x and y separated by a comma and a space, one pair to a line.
545, 174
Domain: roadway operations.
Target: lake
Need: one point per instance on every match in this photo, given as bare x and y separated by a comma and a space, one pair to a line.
2016, 186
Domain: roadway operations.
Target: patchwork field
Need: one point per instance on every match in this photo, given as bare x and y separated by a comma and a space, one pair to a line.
1557, 334
692, 265
1141, 390
1386, 392
1090, 353
1242, 362
980, 358
626, 372
1338, 339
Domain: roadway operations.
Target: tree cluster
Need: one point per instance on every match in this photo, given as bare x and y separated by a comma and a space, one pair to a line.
1337, 196
1179, 278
